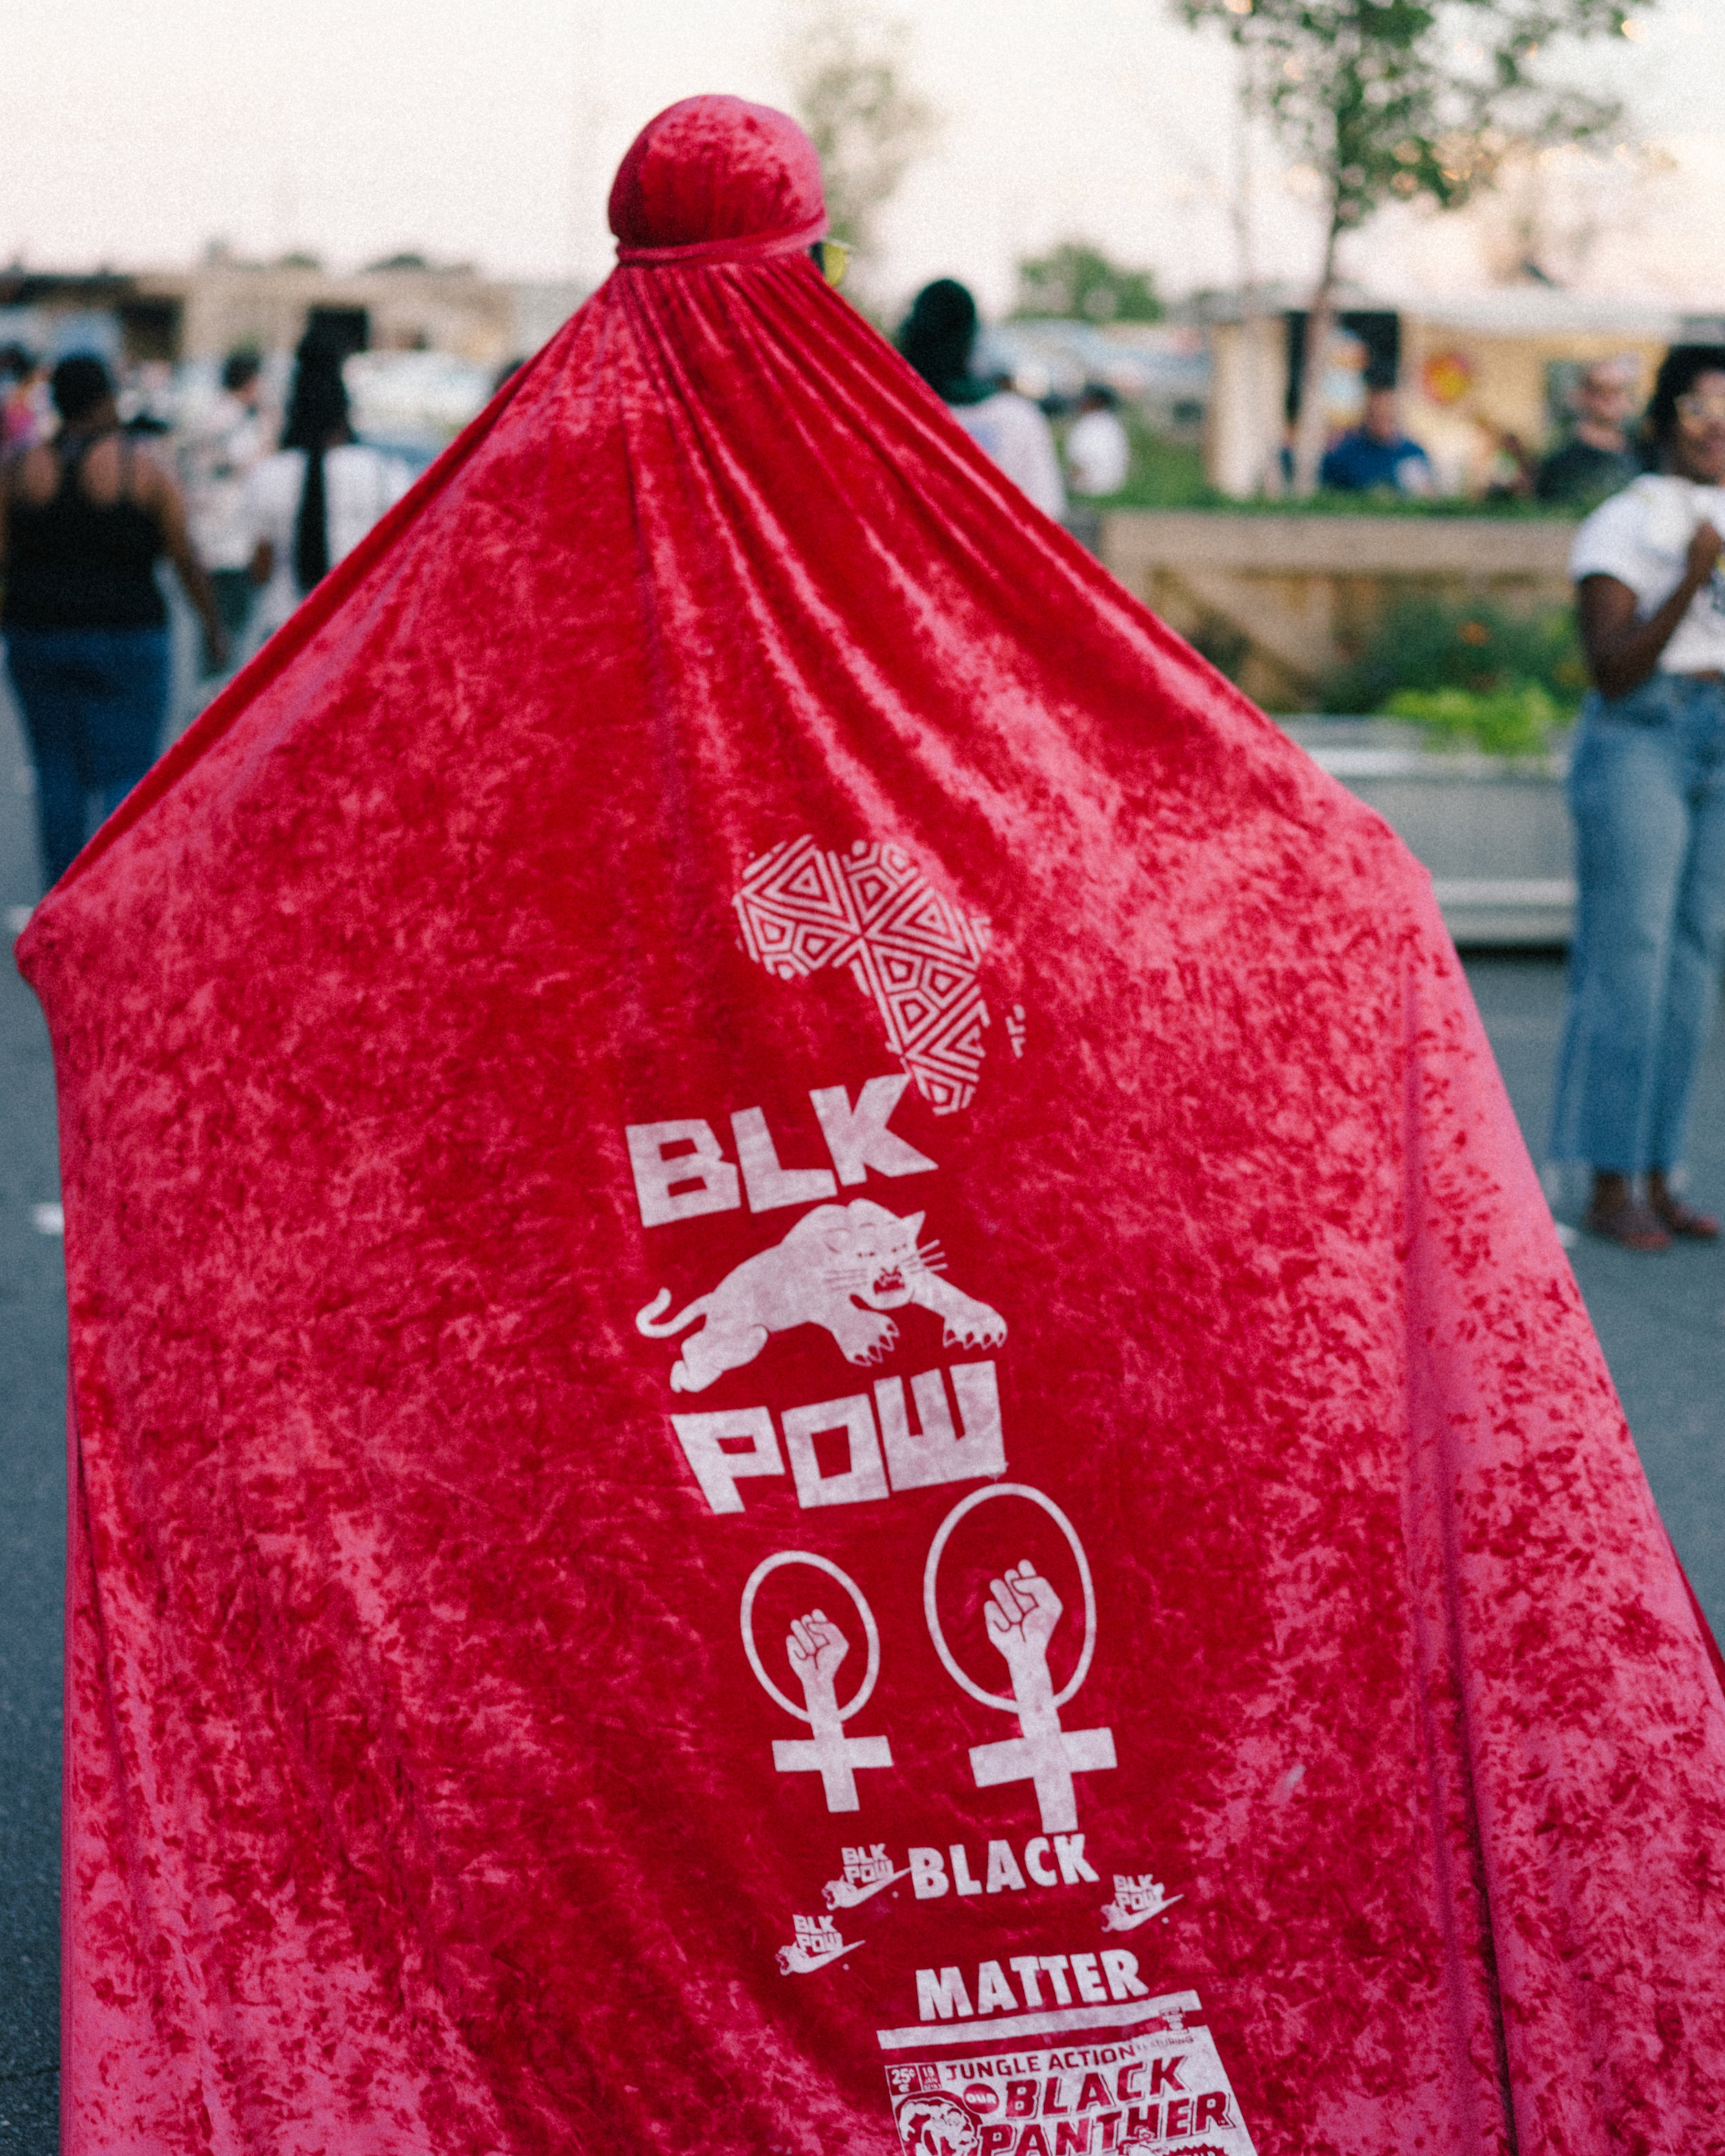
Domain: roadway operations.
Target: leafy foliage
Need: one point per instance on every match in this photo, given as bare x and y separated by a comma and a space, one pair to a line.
1389, 99
1469, 667
1518, 721
851, 91
1078, 281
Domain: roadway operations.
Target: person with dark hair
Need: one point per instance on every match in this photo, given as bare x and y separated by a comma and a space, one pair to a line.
312, 503
83, 520
1376, 456
216, 460
20, 383
1598, 457
938, 338
1647, 792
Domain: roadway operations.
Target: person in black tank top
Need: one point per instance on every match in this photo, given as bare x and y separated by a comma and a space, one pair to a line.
84, 521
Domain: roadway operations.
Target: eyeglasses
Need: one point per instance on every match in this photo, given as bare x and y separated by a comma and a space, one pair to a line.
832, 258
1710, 408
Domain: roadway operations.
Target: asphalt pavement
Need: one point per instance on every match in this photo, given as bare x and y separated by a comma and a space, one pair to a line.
32, 1511
1662, 1320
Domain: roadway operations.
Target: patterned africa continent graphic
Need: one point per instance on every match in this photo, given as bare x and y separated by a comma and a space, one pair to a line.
915, 955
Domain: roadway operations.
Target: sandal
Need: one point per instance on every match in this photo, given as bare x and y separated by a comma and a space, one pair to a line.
1678, 1219
1635, 1226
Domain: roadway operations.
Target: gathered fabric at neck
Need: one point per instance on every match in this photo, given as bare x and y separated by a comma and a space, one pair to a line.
751, 247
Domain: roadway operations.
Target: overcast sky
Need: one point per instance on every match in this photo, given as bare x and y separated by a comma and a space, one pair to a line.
137, 130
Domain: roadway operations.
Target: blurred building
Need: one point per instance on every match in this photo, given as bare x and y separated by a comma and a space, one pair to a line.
1163, 368
174, 316
1477, 373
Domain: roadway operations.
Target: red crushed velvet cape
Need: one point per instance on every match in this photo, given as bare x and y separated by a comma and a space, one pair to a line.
714, 846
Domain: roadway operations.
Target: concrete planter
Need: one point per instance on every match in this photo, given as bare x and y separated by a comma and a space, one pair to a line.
1495, 834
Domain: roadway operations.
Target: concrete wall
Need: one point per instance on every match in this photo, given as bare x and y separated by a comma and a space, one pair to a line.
1278, 601
1494, 834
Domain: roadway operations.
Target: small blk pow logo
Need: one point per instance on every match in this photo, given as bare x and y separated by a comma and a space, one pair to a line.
867, 1869
912, 952
817, 1943
1138, 1897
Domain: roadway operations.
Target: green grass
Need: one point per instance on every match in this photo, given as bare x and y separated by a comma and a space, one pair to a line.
1168, 473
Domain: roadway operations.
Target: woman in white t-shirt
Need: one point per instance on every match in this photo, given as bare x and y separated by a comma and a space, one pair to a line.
1647, 791
312, 503
938, 338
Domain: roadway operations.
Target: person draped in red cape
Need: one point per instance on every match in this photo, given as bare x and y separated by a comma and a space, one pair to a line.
819, 1401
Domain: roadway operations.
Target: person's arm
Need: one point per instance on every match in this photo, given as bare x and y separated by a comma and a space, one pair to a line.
1413, 474
1622, 653
169, 505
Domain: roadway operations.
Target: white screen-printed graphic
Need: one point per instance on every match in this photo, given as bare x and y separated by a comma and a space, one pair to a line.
1095, 2091
804, 910
916, 1445
1021, 1613
867, 1869
680, 1170
842, 1267
815, 1648
817, 1945
1138, 1897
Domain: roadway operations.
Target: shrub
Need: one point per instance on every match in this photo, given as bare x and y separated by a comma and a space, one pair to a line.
1519, 720
1428, 645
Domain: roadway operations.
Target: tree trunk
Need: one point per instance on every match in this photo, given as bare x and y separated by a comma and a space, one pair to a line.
1309, 429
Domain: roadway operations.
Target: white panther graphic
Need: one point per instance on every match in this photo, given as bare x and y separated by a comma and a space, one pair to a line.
842, 1266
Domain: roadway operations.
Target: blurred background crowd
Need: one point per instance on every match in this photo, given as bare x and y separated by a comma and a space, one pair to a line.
1522, 398
1208, 272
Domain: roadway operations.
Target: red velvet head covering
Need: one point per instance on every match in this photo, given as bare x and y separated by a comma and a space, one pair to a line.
819, 1399
715, 179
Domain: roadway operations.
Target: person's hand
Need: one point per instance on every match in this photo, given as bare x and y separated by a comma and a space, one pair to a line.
1021, 1615
1704, 554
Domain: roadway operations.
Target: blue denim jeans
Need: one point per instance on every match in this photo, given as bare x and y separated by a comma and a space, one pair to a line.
93, 700
1647, 792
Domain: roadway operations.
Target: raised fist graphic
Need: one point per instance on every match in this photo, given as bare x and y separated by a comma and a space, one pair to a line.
1021, 1613
817, 1647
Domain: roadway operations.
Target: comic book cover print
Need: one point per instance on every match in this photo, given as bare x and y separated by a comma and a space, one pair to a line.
1164, 2090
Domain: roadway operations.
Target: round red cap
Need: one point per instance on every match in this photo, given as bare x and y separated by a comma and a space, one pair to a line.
714, 169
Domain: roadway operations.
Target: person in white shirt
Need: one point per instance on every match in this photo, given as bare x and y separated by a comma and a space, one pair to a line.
938, 338
1647, 791
217, 454
1099, 456
311, 504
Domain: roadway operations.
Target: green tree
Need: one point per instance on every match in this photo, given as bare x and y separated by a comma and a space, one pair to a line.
1393, 99
851, 88
1076, 279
